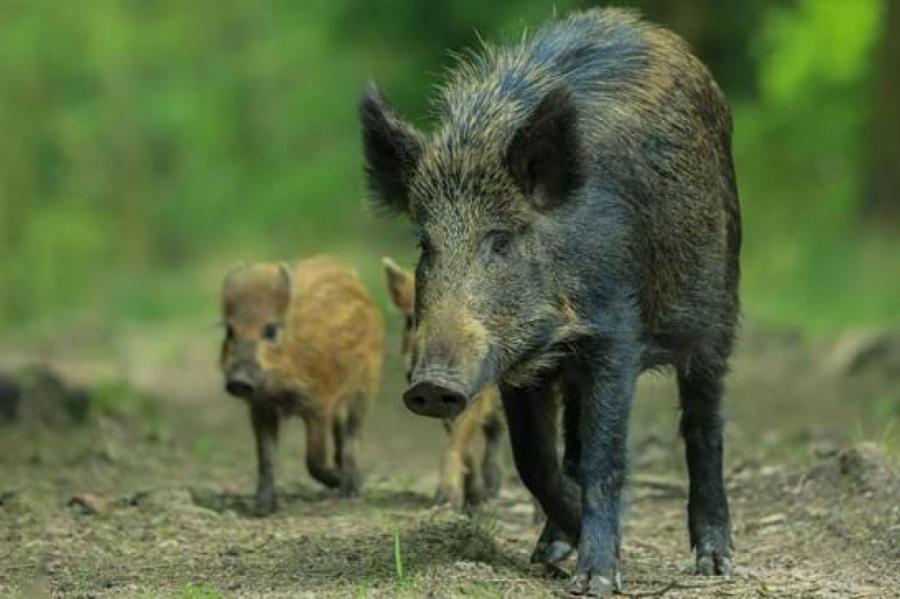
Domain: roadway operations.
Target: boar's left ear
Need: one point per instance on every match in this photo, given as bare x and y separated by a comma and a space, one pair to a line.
543, 156
392, 149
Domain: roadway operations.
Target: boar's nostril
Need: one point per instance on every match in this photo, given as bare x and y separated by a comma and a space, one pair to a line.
435, 399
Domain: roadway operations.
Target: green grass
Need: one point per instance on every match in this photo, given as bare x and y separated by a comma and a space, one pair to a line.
398, 556
194, 591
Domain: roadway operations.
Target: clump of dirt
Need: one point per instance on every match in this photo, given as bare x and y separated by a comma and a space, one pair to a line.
866, 467
867, 353
39, 395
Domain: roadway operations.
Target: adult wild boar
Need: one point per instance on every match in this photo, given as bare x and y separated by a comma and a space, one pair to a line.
579, 223
464, 482
305, 341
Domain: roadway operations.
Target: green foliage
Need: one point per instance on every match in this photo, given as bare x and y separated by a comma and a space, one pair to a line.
798, 148
148, 144
815, 46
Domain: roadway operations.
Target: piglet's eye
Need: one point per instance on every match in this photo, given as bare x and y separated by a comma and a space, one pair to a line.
270, 331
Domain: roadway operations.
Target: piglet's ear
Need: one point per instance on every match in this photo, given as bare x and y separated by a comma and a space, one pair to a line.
401, 286
392, 149
232, 274
543, 156
284, 271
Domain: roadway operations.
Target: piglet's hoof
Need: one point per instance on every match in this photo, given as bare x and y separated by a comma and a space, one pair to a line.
450, 497
714, 564
351, 487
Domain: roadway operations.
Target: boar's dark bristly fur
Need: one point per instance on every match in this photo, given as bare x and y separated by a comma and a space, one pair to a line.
579, 224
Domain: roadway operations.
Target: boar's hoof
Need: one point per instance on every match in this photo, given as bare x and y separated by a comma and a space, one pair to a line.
594, 584
450, 496
552, 548
714, 564
551, 554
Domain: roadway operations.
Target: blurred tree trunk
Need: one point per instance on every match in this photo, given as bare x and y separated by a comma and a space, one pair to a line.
882, 187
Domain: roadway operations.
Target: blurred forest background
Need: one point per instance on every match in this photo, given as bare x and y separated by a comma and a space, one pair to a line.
147, 144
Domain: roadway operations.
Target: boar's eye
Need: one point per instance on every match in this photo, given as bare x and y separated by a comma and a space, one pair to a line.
270, 331
498, 242
425, 246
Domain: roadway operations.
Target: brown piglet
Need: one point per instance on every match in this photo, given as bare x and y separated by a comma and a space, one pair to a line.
306, 341
464, 482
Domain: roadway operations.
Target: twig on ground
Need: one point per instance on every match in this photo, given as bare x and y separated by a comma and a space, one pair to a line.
659, 483
675, 585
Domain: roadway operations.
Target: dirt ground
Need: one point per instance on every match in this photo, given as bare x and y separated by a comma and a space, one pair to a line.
152, 496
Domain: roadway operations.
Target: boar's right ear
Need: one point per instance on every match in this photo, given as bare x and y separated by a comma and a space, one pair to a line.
544, 157
392, 149
401, 286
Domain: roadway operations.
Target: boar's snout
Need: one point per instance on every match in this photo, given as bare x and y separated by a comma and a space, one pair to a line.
435, 398
240, 384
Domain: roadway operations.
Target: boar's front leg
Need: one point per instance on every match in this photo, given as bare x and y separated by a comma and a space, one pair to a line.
265, 429
531, 419
318, 428
606, 377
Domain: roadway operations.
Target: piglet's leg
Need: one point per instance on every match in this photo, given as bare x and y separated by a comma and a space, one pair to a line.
349, 431
318, 429
265, 429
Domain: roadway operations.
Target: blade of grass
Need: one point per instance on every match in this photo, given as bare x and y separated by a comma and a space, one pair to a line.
398, 557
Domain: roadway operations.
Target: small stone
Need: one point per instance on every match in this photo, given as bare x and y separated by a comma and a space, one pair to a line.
90, 503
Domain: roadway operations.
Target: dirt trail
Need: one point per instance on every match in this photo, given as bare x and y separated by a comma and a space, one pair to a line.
816, 514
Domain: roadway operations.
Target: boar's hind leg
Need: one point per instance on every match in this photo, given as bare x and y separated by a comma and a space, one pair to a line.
265, 429
553, 545
490, 464
318, 428
700, 391
531, 419
347, 437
